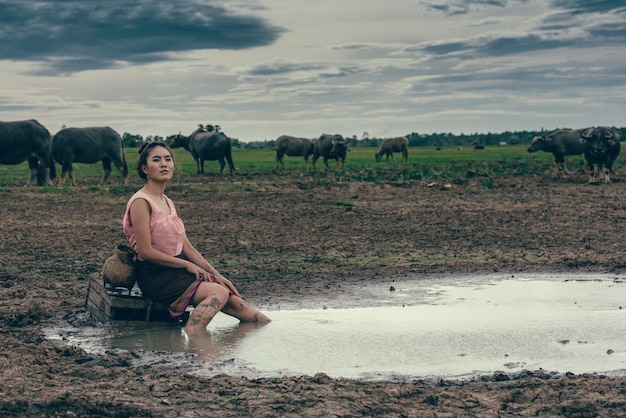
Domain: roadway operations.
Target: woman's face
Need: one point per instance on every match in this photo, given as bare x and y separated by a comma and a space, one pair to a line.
160, 164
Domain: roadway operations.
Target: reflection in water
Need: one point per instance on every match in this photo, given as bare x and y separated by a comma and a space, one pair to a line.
211, 344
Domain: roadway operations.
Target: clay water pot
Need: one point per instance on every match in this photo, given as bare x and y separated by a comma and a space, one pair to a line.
119, 269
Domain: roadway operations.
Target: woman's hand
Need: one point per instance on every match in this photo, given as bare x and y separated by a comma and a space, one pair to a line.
218, 278
215, 277
197, 271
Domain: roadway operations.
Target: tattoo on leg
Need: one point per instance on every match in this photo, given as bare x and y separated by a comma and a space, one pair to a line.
215, 303
203, 313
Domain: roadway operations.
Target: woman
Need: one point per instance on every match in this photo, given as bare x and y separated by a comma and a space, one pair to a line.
170, 269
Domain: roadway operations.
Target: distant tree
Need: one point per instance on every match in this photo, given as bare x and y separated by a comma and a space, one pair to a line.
131, 141
152, 138
260, 144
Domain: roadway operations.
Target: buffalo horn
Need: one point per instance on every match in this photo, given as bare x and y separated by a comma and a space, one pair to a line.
587, 133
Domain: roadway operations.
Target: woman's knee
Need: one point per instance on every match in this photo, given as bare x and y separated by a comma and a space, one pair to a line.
207, 289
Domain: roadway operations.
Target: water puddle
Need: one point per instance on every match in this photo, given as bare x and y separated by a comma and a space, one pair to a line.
445, 327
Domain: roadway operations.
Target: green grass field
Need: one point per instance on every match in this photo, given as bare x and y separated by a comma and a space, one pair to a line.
424, 163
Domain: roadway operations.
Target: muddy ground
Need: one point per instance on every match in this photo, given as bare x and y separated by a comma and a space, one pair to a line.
290, 240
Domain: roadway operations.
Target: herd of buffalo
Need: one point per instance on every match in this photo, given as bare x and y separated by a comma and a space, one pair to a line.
30, 141
600, 146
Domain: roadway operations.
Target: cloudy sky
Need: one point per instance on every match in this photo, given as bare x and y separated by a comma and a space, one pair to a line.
263, 68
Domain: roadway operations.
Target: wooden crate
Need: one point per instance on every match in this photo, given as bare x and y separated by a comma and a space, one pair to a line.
107, 303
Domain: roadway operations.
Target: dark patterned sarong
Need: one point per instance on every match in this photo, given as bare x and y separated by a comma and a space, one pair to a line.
173, 287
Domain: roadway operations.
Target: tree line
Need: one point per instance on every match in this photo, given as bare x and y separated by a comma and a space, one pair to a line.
415, 139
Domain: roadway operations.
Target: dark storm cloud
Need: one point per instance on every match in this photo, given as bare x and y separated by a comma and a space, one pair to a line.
554, 31
280, 67
589, 6
443, 48
521, 44
528, 79
321, 69
457, 7
614, 33
66, 36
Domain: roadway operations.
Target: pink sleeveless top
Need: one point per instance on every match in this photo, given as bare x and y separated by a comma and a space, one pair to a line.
167, 231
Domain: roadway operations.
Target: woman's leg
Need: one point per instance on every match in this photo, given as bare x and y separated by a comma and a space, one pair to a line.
208, 300
237, 307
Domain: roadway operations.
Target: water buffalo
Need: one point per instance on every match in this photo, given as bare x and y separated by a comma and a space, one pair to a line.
332, 147
391, 145
203, 145
88, 146
293, 147
602, 146
27, 140
560, 143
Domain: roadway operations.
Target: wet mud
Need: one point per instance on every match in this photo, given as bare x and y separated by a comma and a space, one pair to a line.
291, 241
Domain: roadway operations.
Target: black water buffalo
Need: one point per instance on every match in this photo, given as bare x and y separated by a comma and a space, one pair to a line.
293, 147
560, 143
27, 140
203, 145
330, 147
391, 145
88, 146
602, 146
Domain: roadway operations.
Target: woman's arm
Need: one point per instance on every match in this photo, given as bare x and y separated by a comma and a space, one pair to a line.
140, 218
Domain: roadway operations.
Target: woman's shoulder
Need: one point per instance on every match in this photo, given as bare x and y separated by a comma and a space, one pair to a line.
139, 194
